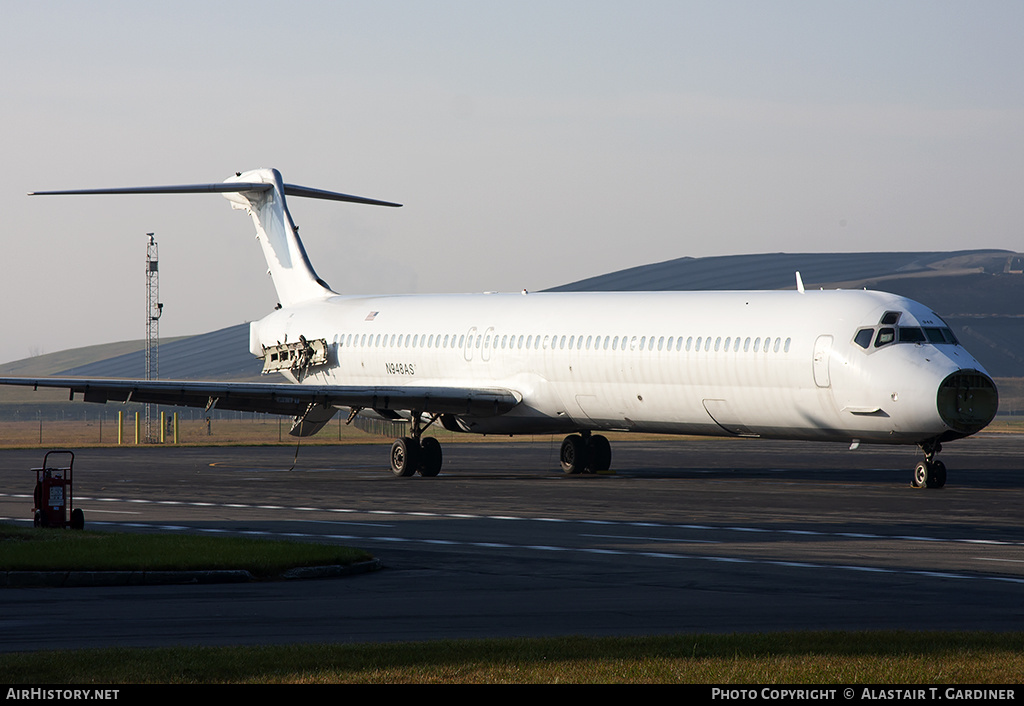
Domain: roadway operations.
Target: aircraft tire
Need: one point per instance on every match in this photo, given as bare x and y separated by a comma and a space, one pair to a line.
921, 474
573, 455
430, 457
600, 452
77, 519
404, 457
937, 475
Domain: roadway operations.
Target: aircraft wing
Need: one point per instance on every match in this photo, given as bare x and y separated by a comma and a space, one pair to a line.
284, 398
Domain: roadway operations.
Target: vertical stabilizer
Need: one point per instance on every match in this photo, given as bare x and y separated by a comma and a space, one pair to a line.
293, 274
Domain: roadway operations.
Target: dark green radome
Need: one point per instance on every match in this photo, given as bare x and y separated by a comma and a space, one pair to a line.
967, 401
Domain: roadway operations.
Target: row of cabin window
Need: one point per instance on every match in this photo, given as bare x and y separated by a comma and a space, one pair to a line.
458, 342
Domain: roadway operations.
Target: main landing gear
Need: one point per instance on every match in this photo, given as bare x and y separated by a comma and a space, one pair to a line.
583, 453
415, 453
929, 473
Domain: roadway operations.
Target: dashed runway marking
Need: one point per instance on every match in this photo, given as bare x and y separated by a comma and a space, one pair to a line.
556, 520
551, 547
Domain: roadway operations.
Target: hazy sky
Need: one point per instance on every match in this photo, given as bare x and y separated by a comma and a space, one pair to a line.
532, 143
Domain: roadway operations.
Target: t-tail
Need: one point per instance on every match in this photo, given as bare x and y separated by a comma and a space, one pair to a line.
262, 193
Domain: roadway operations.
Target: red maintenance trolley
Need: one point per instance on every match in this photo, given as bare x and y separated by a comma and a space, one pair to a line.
53, 494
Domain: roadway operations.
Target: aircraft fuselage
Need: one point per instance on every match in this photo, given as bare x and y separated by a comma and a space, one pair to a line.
775, 364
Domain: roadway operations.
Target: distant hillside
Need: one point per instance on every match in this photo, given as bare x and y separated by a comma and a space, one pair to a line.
218, 355
54, 363
776, 270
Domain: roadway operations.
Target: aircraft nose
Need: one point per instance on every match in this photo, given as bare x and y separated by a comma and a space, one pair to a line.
967, 401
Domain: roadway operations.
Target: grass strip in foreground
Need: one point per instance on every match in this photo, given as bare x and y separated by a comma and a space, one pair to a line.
33, 549
772, 658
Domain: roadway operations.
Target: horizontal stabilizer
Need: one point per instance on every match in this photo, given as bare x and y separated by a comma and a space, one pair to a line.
262, 194
218, 188
306, 192
224, 188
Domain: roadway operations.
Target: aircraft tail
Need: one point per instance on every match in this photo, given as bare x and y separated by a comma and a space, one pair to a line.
261, 193
290, 269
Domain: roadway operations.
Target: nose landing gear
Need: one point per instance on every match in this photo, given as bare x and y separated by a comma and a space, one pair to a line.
929, 473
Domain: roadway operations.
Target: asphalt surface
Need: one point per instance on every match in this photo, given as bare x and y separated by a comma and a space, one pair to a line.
686, 536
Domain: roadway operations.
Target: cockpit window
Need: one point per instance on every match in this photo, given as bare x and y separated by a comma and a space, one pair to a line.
889, 318
911, 334
940, 335
885, 337
864, 336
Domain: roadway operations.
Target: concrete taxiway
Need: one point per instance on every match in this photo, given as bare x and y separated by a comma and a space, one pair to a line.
686, 536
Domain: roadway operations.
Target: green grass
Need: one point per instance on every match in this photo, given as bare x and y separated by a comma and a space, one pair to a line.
773, 658
776, 658
30, 549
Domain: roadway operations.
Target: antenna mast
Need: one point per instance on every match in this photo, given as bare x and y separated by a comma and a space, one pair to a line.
153, 311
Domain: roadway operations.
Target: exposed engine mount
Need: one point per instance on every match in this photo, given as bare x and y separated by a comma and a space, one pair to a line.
299, 356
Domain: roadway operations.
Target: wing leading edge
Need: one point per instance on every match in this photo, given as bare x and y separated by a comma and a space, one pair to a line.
311, 405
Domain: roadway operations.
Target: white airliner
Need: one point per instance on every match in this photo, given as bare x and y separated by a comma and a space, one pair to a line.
848, 366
